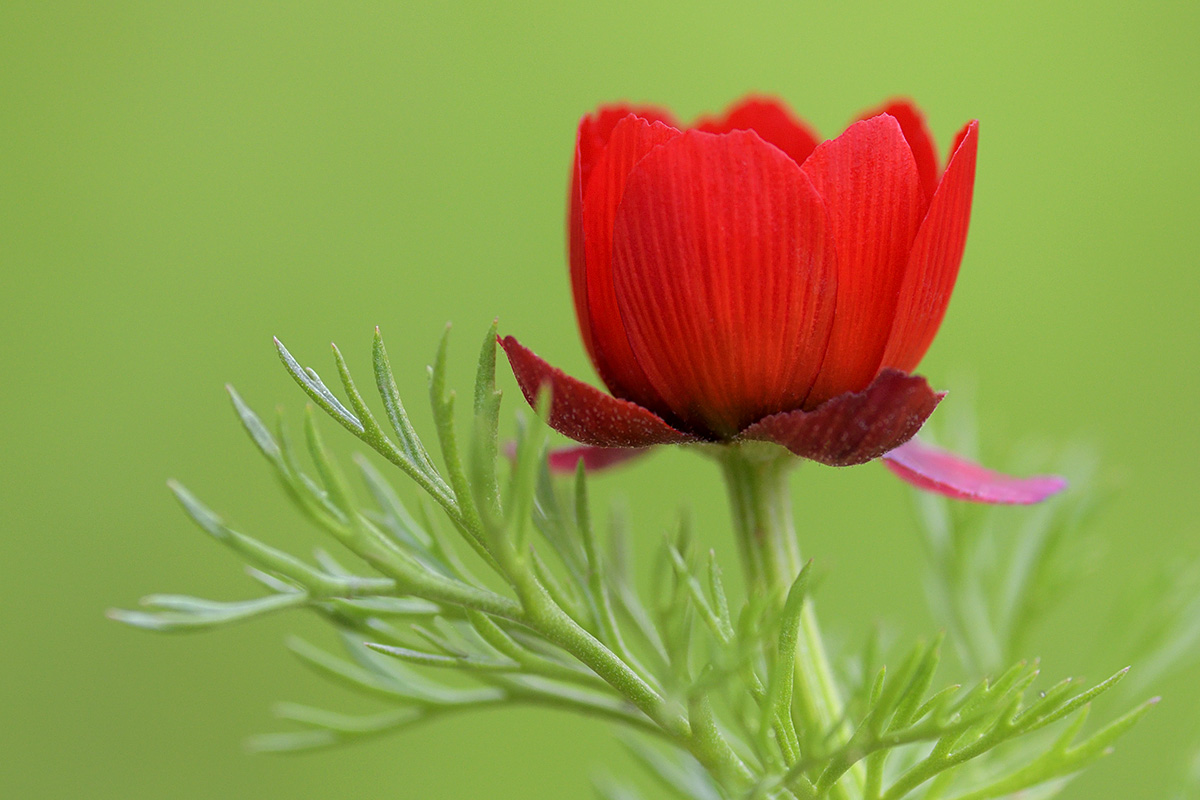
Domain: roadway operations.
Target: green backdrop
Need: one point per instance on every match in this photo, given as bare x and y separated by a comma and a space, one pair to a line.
178, 182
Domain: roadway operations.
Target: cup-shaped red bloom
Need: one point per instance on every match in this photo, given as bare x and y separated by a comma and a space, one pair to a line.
739, 279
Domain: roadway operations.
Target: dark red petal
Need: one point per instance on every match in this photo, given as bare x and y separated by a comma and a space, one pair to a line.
584, 413
725, 278
933, 262
942, 472
920, 140
855, 427
630, 141
771, 120
590, 139
873, 196
594, 459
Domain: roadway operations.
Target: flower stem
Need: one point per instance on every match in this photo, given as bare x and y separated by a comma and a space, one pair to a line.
695, 732
756, 478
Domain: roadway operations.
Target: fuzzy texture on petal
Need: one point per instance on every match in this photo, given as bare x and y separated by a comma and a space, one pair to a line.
945, 473
584, 413
725, 277
920, 140
595, 459
771, 120
630, 141
591, 137
855, 427
874, 200
934, 260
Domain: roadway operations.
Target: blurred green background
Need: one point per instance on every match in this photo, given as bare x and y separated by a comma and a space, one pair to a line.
181, 181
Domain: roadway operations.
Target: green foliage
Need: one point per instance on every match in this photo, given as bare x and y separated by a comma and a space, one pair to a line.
507, 593
994, 572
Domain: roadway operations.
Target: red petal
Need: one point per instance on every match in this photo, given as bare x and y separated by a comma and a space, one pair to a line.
958, 138
872, 192
933, 262
725, 278
630, 141
855, 427
938, 471
575, 255
771, 120
920, 140
595, 130
590, 138
584, 413
594, 459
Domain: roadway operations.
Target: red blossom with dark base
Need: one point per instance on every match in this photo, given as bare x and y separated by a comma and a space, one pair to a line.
739, 279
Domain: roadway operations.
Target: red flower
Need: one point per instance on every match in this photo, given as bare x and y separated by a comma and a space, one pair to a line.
739, 280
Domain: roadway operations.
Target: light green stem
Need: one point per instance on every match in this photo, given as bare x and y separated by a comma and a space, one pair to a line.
695, 731
756, 477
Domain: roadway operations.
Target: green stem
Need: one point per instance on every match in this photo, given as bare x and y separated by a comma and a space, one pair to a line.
697, 734
756, 477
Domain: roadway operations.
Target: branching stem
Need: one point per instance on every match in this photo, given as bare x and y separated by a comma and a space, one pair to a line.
695, 732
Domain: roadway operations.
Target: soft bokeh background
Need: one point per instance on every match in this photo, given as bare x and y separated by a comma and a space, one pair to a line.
178, 182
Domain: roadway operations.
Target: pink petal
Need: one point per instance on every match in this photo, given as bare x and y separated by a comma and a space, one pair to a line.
874, 200
725, 278
771, 120
565, 459
855, 427
933, 263
942, 472
584, 413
